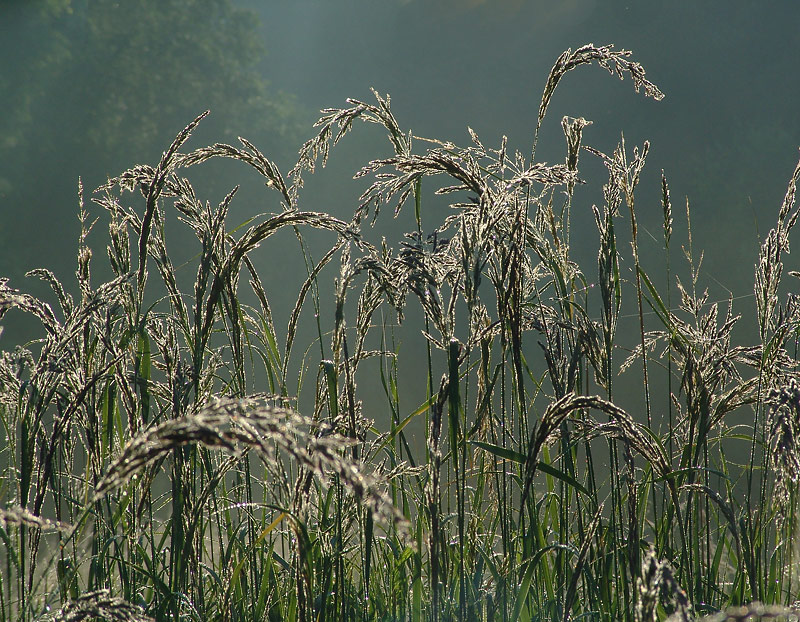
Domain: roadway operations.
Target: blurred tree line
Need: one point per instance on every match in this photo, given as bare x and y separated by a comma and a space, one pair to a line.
90, 87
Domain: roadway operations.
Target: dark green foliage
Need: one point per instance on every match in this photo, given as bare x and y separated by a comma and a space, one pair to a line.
104, 84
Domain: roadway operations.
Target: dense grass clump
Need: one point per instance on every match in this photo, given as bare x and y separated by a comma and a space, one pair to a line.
166, 454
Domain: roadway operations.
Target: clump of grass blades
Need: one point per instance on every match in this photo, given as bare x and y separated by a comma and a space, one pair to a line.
156, 465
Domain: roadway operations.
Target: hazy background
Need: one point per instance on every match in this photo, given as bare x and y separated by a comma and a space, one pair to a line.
90, 87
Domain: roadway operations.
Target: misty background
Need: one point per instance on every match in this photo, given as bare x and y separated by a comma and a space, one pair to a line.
88, 88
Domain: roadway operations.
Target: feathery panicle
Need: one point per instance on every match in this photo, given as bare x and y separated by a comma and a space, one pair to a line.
573, 132
99, 605
236, 425
154, 188
784, 441
770, 260
615, 62
754, 612
21, 516
667, 205
656, 586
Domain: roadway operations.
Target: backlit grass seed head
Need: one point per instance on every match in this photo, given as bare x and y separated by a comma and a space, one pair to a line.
621, 426
666, 203
13, 516
616, 63
13, 370
11, 298
99, 605
770, 265
784, 441
754, 612
236, 425
648, 585
573, 132
657, 586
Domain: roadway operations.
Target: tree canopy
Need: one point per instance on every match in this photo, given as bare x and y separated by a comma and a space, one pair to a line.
96, 84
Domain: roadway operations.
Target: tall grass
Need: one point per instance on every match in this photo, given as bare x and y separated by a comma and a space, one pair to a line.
155, 465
